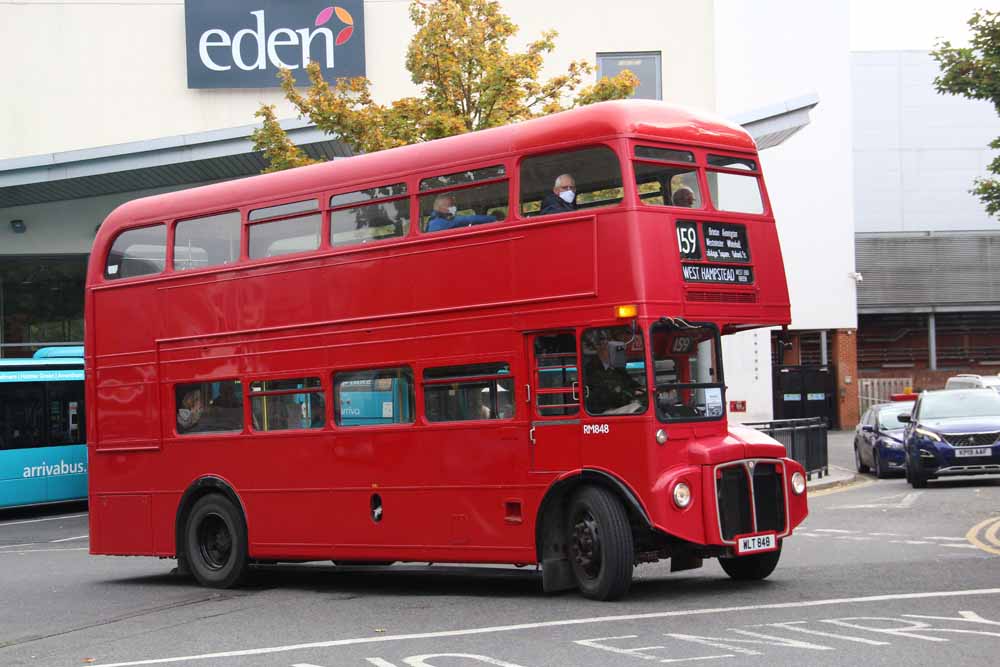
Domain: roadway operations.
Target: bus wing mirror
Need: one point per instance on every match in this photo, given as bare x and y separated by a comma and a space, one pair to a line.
616, 354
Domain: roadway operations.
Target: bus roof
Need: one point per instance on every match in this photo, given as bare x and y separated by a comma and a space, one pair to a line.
61, 352
656, 121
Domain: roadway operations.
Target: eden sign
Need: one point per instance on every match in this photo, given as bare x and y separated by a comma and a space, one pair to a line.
243, 43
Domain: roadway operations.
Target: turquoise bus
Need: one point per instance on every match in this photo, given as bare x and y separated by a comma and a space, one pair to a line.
43, 451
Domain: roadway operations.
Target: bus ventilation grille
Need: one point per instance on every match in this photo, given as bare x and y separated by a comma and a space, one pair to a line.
732, 488
722, 297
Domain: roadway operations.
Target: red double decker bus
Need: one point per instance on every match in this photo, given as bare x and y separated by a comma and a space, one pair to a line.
501, 347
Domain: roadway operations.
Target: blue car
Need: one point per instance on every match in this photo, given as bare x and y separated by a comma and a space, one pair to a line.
878, 439
952, 432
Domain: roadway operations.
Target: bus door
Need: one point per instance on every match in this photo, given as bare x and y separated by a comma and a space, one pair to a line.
554, 397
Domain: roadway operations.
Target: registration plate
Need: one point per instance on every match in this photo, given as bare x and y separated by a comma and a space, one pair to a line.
962, 452
749, 544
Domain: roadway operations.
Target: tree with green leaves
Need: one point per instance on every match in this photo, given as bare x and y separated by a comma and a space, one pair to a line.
469, 80
974, 72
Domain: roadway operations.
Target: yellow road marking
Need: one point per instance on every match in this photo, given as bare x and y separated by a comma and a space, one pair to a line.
991, 535
857, 483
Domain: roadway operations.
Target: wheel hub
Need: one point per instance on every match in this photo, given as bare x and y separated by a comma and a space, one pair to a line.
215, 541
585, 547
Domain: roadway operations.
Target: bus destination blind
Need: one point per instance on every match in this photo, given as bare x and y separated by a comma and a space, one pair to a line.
717, 274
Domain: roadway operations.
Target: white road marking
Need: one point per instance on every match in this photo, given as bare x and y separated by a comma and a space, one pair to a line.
553, 624
70, 539
794, 625
951, 539
886, 534
959, 546
23, 544
51, 518
910, 542
906, 502
964, 616
835, 530
35, 551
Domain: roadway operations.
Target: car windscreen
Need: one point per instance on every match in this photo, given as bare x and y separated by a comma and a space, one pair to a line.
888, 417
959, 403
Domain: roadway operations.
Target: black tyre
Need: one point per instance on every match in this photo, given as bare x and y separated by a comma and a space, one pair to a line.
857, 460
880, 470
916, 478
753, 567
599, 544
215, 542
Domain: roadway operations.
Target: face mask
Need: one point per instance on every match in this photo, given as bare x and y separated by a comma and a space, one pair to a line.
184, 417
567, 196
452, 210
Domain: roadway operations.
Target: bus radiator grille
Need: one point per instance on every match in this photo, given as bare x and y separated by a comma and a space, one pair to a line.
736, 514
721, 297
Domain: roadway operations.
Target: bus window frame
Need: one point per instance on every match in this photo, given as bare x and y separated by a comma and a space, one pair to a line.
330, 210
248, 427
171, 238
755, 173
417, 196
614, 144
168, 252
478, 360
698, 165
719, 369
324, 235
331, 375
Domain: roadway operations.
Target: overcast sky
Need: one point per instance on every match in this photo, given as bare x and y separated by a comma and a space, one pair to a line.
878, 25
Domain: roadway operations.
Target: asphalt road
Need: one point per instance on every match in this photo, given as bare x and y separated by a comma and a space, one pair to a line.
880, 574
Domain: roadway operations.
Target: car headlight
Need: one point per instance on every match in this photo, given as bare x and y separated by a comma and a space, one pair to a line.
892, 444
798, 483
928, 434
682, 495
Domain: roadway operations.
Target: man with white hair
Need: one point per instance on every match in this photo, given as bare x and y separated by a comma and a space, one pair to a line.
562, 199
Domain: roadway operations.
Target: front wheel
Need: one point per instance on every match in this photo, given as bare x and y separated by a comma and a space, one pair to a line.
215, 542
916, 478
600, 544
880, 471
753, 567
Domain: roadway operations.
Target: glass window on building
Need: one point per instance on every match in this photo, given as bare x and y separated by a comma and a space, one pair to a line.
645, 65
41, 302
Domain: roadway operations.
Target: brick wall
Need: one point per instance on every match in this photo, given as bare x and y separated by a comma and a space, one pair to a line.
845, 360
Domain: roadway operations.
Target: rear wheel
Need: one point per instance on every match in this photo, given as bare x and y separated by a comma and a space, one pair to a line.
600, 544
857, 459
215, 542
753, 567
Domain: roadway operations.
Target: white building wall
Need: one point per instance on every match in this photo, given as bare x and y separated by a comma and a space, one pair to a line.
95, 74
916, 152
768, 52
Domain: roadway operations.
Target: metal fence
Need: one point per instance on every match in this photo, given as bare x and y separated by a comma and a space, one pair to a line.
879, 390
804, 440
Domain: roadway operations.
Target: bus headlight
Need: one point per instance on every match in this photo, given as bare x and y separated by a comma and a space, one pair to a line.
661, 436
798, 483
682, 495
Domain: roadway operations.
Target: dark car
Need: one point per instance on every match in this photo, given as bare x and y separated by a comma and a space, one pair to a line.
878, 439
952, 432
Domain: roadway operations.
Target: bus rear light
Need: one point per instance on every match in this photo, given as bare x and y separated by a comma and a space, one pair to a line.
625, 312
682, 495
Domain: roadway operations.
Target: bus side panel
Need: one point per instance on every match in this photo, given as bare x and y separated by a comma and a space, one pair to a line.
558, 260
129, 410
18, 484
121, 524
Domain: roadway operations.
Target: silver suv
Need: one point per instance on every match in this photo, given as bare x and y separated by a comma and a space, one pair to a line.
970, 381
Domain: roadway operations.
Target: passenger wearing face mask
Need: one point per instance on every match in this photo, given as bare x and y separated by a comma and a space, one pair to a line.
443, 216
563, 196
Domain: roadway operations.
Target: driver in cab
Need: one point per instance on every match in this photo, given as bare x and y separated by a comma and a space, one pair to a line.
608, 387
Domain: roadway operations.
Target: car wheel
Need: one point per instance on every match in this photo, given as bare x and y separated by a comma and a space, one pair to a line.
857, 460
751, 568
880, 472
600, 544
916, 479
215, 542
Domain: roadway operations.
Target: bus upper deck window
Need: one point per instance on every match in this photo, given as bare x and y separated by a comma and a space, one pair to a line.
369, 215
571, 180
207, 241
731, 190
137, 252
461, 205
663, 184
